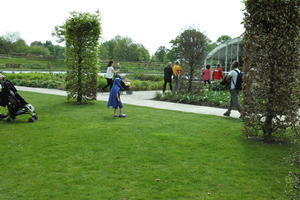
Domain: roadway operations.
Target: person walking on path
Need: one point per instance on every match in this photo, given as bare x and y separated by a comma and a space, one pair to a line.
234, 91
176, 75
114, 99
110, 72
217, 73
206, 75
168, 76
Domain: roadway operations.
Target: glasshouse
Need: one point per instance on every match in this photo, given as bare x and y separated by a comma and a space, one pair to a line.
226, 53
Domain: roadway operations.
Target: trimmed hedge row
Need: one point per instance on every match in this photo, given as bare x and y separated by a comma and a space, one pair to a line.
57, 81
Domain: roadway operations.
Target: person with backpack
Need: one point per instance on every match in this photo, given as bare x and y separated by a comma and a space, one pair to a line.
168, 76
235, 87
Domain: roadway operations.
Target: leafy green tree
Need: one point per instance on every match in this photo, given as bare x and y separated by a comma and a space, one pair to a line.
174, 53
5, 46
211, 45
56, 51
271, 64
223, 39
82, 32
39, 50
123, 48
103, 52
138, 52
36, 43
192, 47
161, 54
21, 47
59, 32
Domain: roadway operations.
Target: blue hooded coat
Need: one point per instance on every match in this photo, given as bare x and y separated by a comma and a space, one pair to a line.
113, 95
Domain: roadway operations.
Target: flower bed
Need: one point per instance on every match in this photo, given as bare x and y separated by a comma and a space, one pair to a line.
205, 98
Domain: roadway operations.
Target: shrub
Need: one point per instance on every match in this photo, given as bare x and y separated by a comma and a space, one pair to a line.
216, 86
271, 64
293, 179
205, 98
145, 77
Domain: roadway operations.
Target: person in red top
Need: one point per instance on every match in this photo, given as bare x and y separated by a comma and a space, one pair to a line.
217, 73
206, 75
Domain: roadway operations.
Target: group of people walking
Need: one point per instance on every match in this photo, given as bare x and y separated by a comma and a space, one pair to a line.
174, 72
208, 75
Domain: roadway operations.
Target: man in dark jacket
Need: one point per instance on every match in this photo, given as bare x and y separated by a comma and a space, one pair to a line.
168, 76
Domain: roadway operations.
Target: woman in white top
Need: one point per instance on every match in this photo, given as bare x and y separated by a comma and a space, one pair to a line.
110, 72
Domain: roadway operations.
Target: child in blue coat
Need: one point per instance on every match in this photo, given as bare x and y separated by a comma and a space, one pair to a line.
114, 99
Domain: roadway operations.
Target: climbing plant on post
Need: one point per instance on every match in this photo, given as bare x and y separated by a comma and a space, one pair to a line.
81, 33
271, 66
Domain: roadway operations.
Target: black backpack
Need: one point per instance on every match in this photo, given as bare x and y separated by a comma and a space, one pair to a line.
239, 80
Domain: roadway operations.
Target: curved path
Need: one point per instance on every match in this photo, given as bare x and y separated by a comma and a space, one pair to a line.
143, 98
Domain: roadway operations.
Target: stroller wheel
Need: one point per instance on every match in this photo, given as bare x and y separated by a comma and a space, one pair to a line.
35, 117
30, 119
2, 116
9, 119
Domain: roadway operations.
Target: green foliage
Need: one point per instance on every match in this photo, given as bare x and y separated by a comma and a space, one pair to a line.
145, 77
222, 39
124, 49
39, 50
16, 46
161, 54
31, 63
82, 32
57, 81
42, 80
192, 47
216, 86
136, 84
204, 98
271, 64
293, 179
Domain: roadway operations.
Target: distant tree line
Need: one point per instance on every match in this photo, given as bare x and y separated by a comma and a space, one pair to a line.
123, 48
13, 44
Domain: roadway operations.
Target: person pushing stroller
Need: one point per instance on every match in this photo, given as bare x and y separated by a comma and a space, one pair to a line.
15, 104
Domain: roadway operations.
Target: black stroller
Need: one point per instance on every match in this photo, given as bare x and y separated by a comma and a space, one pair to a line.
15, 104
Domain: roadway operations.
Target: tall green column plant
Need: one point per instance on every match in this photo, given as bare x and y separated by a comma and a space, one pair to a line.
271, 64
82, 32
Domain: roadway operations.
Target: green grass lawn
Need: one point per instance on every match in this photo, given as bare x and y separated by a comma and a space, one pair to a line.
83, 153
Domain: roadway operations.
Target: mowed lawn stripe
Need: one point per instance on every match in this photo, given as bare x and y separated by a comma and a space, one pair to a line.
82, 152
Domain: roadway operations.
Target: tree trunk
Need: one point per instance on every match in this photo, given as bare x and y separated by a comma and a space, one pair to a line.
79, 84
191, 76
268, 128
268, 125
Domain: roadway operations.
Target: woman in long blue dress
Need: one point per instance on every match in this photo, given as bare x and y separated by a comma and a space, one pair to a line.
114, 99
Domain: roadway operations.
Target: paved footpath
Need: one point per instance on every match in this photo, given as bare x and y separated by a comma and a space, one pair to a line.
143, 98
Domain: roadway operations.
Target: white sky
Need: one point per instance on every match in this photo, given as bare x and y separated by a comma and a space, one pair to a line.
152, 23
